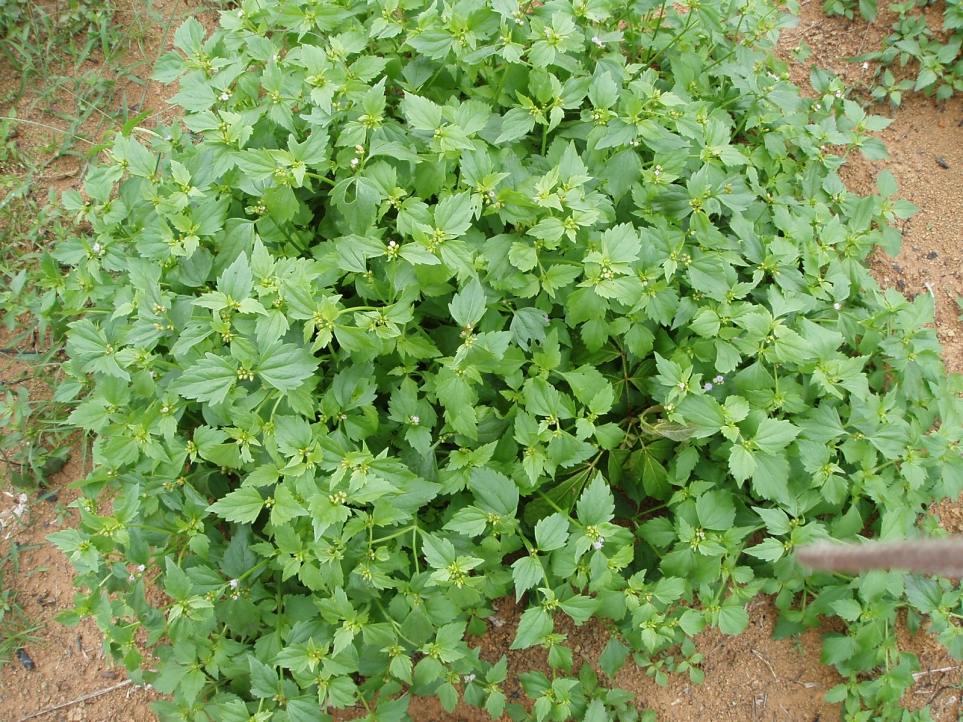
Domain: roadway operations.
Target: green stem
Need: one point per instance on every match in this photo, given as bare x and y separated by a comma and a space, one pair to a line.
413, 527
655, 33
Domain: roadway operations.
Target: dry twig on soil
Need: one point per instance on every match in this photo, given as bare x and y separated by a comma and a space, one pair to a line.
72, 702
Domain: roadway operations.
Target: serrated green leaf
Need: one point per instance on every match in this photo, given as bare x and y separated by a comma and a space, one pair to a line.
285, 366
596, 505
551, 532
210, 379
241, 505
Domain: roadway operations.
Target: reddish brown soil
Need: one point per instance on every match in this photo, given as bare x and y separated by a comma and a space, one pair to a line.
749, 677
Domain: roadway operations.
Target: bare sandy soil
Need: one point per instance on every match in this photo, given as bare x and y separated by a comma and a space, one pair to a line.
749, 677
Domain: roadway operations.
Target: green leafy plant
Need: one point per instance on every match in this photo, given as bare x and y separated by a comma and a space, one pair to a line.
420, 305
933, 56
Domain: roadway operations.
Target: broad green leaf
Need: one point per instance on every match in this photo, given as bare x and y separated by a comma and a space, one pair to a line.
495, 493
210, 379
596, 505
551, 532
534, 624
526, 572
285, 366
422, 114
468, 306
241, 505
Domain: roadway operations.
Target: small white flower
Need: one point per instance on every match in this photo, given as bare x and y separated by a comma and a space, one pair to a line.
169, 138
141, 567
359, 149
838, 306
233, 583
153, 374
817, 106
598, 41
225, 96
354, 162
165, 409
95, 248
682, 385
865, 66
720, 379
708, 386
519, 21
240, 13
392, 244
548, 32
414, 420
469, 678
598, 544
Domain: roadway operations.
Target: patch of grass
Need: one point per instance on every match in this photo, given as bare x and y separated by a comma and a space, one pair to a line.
73, 62
16, 629
32, 445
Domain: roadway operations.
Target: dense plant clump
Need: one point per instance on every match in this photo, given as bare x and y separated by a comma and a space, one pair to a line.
419, 305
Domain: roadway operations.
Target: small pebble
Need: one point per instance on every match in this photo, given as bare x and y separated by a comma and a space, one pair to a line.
932, 254
24, 659
50, 496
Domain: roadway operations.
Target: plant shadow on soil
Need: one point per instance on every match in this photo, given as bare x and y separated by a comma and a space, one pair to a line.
749, 677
